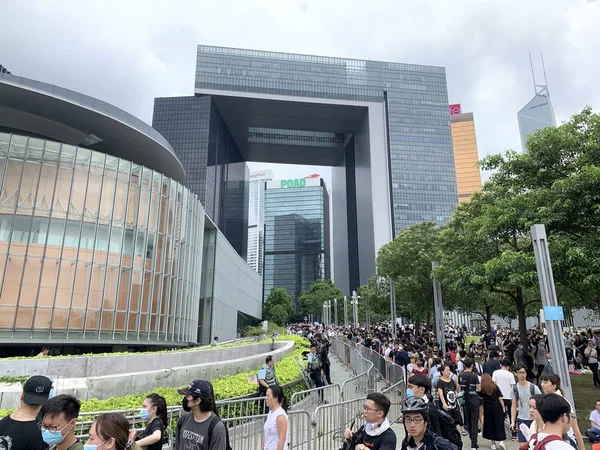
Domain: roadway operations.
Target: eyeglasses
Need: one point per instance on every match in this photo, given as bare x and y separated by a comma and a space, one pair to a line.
366, 408
416, 420
43, 427
522, 372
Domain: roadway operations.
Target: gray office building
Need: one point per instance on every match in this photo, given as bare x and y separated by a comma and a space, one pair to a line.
296, 235
383, 127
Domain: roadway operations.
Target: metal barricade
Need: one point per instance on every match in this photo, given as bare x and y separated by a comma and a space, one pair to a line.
330, 421
311, 397
395, 393
245, 433
300, 430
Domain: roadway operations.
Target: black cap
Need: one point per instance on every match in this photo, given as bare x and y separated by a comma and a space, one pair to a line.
37, 390
198, 388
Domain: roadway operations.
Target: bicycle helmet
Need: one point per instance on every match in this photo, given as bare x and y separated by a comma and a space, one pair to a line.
415, 405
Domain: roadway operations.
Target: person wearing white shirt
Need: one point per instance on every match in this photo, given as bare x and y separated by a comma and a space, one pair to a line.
505, 380
556, 414
275, 429
594, 431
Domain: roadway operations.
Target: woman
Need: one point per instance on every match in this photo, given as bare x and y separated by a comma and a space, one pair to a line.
110, 431
447, 391
493, 412
592, 358
420, 368
550, 383
275, 436
154, 411
530, 432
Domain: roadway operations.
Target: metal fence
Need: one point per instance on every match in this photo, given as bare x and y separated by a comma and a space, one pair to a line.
330, 421
311, 397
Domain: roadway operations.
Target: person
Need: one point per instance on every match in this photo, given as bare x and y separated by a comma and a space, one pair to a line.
447, 392
555, 413
325, 362
59, 417
493, 412
505, 380
420, 368
551, 385
266, 376
470, 386
110, 431
45, 352
415, 413
376, 433
315, 370
21, 427
215, 342
154, 412
200, 427
522, 392
519, 355
275, 429
537, 423
419, 386
540, 358
492, 364
592, 358
593, 433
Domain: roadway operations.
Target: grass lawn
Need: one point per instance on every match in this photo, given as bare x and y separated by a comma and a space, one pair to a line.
585, 398
469, 339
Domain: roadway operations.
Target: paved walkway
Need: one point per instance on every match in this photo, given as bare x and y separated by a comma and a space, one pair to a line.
339, 374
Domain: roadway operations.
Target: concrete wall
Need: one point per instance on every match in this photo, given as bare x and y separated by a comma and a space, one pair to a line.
103, 387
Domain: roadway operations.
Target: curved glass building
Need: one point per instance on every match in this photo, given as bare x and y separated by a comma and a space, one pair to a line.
100, 242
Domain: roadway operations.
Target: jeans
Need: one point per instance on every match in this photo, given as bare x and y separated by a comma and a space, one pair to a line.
594, 369
316, 375
594, 434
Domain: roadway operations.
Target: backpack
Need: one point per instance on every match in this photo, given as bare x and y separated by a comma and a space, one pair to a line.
516, 391
214, 420
439, 443
541, 445
448, 429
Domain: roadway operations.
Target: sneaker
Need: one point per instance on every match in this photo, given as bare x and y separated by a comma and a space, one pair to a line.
515, 438
493, 446
501, 445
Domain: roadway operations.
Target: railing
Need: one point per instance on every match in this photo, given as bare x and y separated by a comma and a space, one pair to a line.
310, 397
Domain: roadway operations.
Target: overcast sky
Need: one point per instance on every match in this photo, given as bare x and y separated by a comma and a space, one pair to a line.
128, 52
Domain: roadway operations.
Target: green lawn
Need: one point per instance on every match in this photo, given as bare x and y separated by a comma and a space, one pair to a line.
585, 398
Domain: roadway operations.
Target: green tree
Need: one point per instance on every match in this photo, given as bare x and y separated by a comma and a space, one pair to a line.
311, 300
376, 295
279, 306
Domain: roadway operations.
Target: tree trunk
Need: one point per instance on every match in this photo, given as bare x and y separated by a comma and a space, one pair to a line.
488, 318
520, 302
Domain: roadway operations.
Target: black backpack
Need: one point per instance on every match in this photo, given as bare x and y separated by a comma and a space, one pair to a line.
214, 420
448, 429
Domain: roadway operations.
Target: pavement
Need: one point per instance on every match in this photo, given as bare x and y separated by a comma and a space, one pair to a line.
339, 374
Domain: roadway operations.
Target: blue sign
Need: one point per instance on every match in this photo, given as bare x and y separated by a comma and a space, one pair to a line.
554, 313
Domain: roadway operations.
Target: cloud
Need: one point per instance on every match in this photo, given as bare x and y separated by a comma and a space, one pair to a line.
128, 52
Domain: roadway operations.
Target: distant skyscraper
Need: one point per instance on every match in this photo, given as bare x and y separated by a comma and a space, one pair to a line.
4, 69
256, 219
538, 113
468, 176
296, 235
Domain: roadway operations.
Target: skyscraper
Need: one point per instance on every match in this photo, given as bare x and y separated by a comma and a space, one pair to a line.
256, 218
296, 235
468, 176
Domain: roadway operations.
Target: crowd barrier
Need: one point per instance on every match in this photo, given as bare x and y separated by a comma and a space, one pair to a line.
334, 407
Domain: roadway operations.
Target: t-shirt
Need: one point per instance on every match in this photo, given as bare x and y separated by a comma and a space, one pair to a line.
523, 402
505, 380
468, 382
17, 435
192, 435
156, 424
595, 417
270, 430
554, 445
449, 390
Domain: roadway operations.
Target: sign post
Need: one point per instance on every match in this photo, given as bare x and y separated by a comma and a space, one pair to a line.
438, 310
553, 313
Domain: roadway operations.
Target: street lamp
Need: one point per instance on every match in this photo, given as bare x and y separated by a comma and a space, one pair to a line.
354, 303
345, 311
335, 316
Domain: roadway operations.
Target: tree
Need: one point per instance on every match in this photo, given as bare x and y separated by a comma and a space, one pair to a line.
311, 300
279, 306
375, 294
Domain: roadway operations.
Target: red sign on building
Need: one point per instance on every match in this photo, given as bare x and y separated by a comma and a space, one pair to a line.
313, 175
455, 109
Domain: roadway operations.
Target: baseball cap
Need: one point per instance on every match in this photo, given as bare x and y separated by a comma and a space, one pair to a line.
198, 388
37, 390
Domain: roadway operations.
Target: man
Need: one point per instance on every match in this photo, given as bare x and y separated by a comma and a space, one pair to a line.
376, 433
505, 380
470, 385
20, 428
548, 369
324, 357
593, 433
215, 342
539, 353
315, 369
418, 436
419, 386
401, 356
519, 411
492, 364
556, 414
266, 376
200, 427
519, 355
59, 417
45, 352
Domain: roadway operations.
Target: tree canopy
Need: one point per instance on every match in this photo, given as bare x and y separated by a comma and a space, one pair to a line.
279, 306
311, 300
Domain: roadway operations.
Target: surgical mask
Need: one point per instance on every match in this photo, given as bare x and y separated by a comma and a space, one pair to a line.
549, 361
52, 437
184, 405
410, 393
144, 414
92, 446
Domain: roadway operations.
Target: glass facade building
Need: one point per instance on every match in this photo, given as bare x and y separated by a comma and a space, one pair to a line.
296, 236
422, 172
538, 113
256, 219
94, 248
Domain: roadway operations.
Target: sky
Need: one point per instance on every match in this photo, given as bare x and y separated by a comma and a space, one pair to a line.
129, 52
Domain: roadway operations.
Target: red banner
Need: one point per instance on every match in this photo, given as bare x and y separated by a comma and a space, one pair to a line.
455, 109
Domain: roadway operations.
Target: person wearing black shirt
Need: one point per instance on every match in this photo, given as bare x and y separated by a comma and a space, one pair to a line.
470, 385
376, 433
154, 411
325, 362
419, 386
418, 435
492, 364
20, 431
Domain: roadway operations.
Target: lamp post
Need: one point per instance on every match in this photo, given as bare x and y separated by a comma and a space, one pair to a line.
335, 316
393, 305
354, 303
345, 311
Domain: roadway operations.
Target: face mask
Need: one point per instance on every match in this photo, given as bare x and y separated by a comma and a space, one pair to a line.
144, 414
52, 437
521, 347
549, 361
184, 404
410, 393
92, 446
